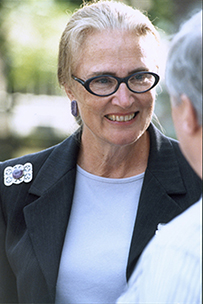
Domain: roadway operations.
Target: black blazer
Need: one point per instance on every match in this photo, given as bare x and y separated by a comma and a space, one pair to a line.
34, 216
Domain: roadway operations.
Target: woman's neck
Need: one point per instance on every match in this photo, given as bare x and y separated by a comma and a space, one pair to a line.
115, 161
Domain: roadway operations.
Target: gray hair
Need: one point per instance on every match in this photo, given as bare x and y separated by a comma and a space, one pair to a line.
184, 64
97, 16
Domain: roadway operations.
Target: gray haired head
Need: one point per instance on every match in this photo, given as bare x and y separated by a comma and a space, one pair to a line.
98, 16
184, 64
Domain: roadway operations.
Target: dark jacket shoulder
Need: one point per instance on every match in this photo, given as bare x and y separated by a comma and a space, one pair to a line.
170, 167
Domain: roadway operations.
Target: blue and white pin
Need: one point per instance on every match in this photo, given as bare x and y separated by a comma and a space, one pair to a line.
18, 174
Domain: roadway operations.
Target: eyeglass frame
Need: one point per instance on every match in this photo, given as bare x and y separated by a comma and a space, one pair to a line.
86, 83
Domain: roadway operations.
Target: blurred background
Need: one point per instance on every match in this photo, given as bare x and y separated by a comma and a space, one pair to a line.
34, 110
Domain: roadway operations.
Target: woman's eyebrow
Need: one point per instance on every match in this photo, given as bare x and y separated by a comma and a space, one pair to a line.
101, 73
141, 69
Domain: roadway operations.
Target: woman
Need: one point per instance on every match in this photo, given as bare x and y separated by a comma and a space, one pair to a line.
76, 217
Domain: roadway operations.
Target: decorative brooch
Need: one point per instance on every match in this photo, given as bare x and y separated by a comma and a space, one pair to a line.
18, 174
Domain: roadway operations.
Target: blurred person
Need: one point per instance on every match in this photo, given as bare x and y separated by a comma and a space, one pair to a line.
169, 270
76, 217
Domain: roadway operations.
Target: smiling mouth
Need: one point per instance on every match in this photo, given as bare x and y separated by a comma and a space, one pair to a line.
121, 117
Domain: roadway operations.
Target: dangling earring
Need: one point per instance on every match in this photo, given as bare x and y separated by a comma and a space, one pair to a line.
74, 108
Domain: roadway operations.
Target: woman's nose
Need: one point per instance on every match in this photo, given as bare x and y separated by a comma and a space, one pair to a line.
123, 97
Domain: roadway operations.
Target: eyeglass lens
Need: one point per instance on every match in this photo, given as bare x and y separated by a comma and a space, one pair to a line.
104, 85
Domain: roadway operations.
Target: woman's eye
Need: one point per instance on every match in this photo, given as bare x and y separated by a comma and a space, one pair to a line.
138, 78
141, 78
103, 80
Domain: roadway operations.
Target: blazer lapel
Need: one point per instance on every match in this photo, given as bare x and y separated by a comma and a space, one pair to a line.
47, 216
155, 207
162, 180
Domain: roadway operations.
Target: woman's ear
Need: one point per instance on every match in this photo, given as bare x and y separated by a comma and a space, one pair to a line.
189, 115
69, 92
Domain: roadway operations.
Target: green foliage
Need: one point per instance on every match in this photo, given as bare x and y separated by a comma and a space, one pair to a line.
74, 2
162, 14
33, 29
162, 10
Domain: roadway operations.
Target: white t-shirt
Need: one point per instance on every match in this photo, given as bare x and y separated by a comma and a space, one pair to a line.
96, 247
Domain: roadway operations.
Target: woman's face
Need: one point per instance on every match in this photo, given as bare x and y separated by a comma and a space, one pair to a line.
119, 54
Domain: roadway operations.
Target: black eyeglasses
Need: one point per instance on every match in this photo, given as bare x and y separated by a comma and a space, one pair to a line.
106, 85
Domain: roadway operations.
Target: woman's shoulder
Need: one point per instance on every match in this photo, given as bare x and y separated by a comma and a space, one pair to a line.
18, 175
167, 162
24, 169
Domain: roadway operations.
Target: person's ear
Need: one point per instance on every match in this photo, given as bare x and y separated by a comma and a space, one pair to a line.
69, 92
190, 122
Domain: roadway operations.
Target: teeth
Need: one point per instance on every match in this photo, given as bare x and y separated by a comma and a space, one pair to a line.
121, 118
